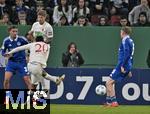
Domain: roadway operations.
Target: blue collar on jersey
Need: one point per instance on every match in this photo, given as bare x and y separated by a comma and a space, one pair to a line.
12, 39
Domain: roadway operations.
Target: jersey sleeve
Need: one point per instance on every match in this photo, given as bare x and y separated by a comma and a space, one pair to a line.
49, 32
24, 40
126, 49
48, 52
4, 47
24, 47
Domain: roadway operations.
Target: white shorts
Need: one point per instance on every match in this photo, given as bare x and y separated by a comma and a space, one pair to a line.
35, 70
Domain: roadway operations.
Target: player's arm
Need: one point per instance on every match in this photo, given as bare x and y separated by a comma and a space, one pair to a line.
4, 48
24, 47
30, 32
48, 53
24, 40
49, 35
126, 57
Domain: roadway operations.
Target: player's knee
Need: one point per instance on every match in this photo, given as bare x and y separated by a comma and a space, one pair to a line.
107, 84
26, 79
6, 81
44, 73
108, 87
34, 86
109, 90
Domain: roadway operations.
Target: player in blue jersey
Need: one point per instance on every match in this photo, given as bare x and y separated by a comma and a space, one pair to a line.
123, 67
18, 60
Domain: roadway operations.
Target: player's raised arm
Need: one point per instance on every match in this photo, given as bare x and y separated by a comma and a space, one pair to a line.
24, 47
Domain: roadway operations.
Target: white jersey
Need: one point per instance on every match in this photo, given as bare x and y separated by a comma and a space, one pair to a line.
44, 30
39, 52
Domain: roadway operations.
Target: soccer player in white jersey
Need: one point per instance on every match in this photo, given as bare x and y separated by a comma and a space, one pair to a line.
39, 52
42, 28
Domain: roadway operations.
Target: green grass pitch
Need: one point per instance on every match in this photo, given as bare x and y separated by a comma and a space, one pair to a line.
98, 109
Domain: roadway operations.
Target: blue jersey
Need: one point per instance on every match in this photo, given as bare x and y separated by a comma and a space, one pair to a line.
126, 51
9, 44
18, 60
125, 59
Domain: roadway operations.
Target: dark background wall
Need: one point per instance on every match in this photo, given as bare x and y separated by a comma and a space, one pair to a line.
98, 45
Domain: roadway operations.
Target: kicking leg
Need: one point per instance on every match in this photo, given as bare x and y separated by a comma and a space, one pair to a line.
55, 79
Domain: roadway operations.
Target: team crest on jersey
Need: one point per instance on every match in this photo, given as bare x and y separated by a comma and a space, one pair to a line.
18, 43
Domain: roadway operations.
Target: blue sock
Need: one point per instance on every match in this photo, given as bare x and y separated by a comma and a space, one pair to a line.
113, 99
108, 99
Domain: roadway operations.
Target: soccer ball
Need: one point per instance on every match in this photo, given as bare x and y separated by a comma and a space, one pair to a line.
100, 90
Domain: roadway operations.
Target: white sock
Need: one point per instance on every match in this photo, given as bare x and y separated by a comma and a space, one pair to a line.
50, 77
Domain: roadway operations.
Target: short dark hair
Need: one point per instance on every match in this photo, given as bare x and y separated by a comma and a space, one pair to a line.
123, 17
39, 39
12, 27
127, 30
42, 13
81, 17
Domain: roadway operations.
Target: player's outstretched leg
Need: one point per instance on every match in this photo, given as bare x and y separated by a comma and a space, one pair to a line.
60, 79
55, 79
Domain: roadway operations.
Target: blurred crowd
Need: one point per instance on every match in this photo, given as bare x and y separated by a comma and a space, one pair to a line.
77, 12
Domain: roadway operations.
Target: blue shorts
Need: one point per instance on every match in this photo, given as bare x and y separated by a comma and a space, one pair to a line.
117, 75
20, 67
